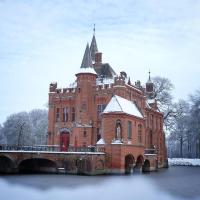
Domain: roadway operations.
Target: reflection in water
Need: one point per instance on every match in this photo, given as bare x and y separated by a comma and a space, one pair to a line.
172, 184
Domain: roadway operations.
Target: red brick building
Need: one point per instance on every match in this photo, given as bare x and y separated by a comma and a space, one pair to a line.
104, 109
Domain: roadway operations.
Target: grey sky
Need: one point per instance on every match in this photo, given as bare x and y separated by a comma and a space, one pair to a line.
44, 41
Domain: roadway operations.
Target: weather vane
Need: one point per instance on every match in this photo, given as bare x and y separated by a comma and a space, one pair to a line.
94, 29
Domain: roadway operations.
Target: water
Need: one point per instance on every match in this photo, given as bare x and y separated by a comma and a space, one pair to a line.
175, 183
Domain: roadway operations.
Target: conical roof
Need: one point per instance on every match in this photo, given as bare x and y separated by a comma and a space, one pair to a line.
87, 61
93, 48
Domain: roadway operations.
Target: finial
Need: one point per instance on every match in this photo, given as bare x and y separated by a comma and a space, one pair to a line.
149, 74
94, 30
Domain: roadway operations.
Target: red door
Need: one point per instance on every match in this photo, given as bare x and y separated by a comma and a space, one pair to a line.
64, 141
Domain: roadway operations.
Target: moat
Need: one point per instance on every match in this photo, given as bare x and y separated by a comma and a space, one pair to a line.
173, 183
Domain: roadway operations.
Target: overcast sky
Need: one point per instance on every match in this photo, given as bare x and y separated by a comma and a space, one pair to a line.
44, 41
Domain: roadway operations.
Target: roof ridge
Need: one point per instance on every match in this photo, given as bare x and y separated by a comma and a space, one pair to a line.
118, 102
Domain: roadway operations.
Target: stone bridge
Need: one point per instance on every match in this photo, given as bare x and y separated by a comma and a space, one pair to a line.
90, 161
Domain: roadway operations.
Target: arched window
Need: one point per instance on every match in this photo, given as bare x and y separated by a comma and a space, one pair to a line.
129, 130
150, 140
140, 133
65, 114
73, 114
118, 130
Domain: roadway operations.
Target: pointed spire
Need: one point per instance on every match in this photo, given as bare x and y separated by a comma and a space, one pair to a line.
94, 30
87, 61
93, 46
149, 75
149, 80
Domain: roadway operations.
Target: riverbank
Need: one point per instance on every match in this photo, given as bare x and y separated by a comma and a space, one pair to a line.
183, 162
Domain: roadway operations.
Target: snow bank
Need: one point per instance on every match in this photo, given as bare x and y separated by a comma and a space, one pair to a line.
183, 162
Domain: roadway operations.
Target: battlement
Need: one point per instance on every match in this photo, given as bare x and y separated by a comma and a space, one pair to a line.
53, 89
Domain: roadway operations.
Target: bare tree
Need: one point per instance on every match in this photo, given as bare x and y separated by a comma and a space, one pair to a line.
179, 124
17, 129
2, 136
39, 123
195, 120
163, 94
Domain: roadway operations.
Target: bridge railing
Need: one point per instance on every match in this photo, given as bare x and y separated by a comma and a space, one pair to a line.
86, 149
150, 151
29, 148
51, 148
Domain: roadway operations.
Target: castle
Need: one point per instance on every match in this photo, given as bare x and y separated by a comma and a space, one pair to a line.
103, 109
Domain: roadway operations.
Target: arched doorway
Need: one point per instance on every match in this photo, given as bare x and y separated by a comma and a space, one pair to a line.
139, 163
129, 163
146, 166
64, 140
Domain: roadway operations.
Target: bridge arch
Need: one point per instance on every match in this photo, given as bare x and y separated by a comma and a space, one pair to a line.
146, 166
37, 165
139, 163
129, 163
7, 165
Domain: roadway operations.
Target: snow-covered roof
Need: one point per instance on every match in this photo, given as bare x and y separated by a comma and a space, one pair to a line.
150, 101
101, 141
103, 81
117, 141
121, 105
87, 70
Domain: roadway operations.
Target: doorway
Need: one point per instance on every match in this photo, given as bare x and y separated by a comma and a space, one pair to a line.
64, 141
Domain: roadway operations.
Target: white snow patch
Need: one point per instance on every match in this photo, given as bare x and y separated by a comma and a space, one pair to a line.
184, 162
101, 141
119, 104
86, 70
103, 81
150, 101
53, 152
117, 141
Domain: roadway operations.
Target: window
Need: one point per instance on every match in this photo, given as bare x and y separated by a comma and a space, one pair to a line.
129, 129
84, 133
118, 130
65, 114
84, 106
57, 114
100, 108
151, 121
139, 133
160, 124
98, 134
73, 114
150, 140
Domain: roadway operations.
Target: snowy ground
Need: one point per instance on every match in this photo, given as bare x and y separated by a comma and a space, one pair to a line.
184, 161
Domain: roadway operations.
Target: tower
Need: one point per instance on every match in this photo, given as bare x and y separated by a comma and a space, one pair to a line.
149, 87
85, 107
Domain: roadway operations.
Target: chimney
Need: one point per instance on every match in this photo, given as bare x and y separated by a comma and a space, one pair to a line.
98, 57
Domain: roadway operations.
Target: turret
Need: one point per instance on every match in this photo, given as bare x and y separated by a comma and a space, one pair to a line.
85, 110
149, 87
